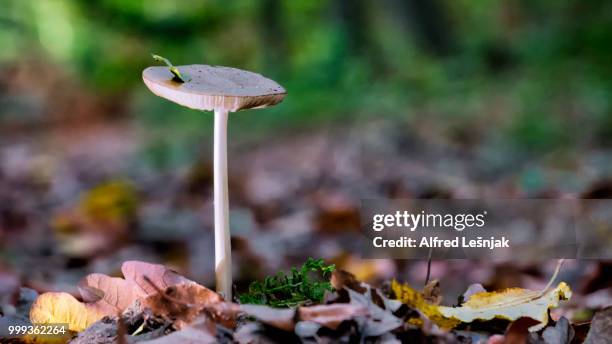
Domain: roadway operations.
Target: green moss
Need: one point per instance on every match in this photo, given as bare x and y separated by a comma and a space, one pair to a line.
304, 285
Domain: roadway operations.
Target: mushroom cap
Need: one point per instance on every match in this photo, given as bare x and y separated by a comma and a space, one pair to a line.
214, 88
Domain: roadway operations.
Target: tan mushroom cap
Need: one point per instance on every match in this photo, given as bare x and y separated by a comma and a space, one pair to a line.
214, 88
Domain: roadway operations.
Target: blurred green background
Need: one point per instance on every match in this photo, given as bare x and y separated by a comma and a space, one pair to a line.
523, 73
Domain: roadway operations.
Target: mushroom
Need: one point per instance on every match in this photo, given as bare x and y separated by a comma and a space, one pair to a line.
222, 90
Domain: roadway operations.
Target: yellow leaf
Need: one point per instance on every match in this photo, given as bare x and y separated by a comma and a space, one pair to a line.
38, 339
114, 201
63, 308
415, 299
510, 304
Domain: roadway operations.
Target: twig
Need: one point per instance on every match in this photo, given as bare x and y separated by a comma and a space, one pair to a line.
554, 276
428, 265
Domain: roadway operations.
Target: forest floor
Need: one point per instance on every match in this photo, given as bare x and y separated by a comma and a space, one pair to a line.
74, 202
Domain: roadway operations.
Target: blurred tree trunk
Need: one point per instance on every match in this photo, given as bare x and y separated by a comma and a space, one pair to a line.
273, 36
352, 17
429, 20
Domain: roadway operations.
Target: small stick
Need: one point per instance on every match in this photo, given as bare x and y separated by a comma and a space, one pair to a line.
428, 265
554, 276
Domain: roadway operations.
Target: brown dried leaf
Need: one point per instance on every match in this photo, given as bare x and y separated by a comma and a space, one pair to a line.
497, 339
106, 295
432, 292
162, 277
182, 302
342, 278
112, 294
517, 332
201, 331
224, 313
331, 315
279, 318
324, 315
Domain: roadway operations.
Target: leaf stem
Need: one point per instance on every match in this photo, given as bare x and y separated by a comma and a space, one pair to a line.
554, 276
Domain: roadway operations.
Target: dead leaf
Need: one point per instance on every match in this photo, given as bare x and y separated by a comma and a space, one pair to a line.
378, 320
342, 278
63, 308
279, 318
111, 202
509, 304
366, 269
471, 290
112, 294
306, 329
517, 332
432, 292
182, 302
331, 315
254, 332
104, 295
601, 328
224, 313
336, 213
162, 277
201, 331
497, 339
416, 300
580, 331
561, 333
100, 222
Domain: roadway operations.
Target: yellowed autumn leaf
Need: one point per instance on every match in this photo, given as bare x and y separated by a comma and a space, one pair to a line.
39, 339
114, 201
63, 308
415, 299
510, 304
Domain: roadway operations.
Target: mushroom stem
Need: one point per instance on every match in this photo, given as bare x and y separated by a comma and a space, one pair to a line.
223, 260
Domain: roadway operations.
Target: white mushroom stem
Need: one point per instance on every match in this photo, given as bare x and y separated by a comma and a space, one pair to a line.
223, 250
